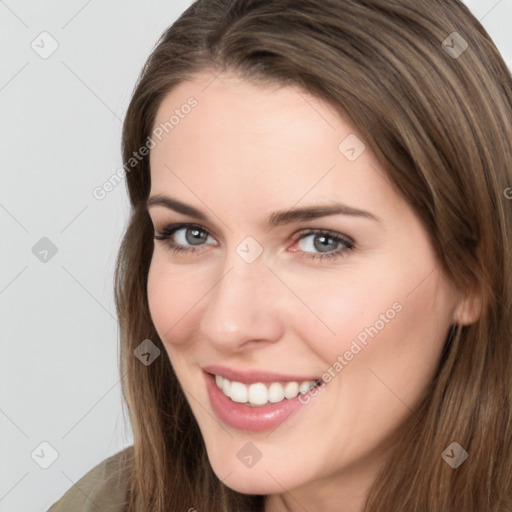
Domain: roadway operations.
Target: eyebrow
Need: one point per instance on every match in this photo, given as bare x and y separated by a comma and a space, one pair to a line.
276, 218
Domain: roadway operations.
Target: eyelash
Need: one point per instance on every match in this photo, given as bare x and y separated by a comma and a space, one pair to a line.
168, 231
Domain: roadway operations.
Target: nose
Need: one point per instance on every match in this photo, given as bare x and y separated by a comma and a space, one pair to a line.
245, 307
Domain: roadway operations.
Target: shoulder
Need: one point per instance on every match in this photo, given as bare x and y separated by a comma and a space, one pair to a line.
101, 488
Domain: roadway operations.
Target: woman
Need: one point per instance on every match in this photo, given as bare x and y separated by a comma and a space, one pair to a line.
314, 289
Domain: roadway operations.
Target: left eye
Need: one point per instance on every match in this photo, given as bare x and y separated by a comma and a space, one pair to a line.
326, 243
183, 237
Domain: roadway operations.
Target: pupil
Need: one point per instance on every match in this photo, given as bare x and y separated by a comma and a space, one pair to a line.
197, 236
323, 244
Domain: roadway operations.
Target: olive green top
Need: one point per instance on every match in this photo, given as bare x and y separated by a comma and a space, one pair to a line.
102, 488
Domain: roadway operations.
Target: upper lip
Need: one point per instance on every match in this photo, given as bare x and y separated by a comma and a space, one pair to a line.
252, 376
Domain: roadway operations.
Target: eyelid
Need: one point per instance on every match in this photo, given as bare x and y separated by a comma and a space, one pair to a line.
313, 231
178, 225
170, 229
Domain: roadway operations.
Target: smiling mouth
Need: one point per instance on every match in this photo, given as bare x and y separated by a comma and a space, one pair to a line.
260, 393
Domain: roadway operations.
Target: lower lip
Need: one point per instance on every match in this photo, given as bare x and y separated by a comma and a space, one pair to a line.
245, 417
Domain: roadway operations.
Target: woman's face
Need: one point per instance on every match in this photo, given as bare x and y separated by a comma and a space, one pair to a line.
266, 299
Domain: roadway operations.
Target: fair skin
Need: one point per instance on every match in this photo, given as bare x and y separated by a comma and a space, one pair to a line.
243, 153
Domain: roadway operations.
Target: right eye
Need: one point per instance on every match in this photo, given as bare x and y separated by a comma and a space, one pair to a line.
177, 236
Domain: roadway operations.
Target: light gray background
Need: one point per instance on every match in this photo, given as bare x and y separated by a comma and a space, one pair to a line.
60, 122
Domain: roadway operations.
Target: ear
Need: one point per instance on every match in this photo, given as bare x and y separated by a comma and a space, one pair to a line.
469, 308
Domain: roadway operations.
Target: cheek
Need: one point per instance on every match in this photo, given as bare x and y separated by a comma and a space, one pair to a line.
171, 295
331, 309
391, 356
177, 294
391, 325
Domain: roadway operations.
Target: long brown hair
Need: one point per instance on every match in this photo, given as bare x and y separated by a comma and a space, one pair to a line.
424, 84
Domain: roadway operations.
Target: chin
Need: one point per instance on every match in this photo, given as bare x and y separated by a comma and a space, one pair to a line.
246, 483
259, 479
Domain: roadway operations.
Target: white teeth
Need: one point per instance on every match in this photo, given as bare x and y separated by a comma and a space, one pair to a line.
291, 390
304, 387
275, 392
259, 394
238, 392
226, 387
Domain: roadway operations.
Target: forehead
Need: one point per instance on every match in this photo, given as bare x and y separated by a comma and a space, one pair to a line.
272, 144
230, 106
